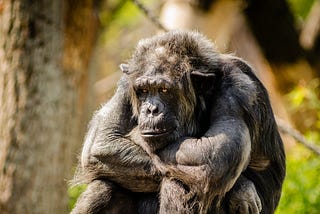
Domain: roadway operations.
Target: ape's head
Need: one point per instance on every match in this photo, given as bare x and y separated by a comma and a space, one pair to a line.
170, 75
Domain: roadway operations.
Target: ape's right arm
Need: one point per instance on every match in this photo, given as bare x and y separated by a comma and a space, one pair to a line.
109, 154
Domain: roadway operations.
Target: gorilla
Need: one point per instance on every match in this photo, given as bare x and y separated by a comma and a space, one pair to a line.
189, 130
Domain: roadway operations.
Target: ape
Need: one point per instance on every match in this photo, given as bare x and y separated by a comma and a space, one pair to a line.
188, 130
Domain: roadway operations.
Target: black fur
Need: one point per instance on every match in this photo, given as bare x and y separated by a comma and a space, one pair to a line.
189, 130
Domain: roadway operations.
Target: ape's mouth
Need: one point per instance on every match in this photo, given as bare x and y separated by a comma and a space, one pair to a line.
157, 138
155, 132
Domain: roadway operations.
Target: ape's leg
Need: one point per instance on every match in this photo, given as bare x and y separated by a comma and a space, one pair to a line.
175, 198
104, 197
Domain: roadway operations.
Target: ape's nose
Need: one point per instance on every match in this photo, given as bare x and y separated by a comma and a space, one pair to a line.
152, 110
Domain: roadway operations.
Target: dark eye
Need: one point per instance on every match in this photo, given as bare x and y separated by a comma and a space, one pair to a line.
142, 91
163, 90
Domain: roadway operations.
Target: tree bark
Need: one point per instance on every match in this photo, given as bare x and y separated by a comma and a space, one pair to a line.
43, 60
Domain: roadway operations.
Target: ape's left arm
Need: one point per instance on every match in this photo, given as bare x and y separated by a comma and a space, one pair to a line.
242, 140
221, 154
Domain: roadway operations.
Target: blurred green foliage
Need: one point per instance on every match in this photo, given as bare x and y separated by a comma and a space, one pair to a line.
300, 8
73, 193
304, 100
124, 14
301, 189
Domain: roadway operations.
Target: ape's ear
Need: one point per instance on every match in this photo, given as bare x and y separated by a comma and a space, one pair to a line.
124, 68
203, 82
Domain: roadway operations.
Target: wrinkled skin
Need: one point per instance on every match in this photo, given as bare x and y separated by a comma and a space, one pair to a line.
189, 130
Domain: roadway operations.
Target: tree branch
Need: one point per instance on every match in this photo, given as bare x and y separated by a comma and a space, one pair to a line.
285, 128
150, 16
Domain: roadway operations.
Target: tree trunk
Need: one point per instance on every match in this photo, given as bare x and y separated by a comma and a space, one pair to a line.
42, 83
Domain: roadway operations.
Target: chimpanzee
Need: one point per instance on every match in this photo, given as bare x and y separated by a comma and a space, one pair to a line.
189, 130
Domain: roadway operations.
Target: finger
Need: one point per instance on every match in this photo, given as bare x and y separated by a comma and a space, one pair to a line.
254, 208
258, 202
244, 208
233, 207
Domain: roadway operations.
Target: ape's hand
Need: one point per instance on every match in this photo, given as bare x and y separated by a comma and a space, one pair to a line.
244, 197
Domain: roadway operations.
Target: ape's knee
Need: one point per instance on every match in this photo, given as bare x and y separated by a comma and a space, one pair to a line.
104, 197
94, 199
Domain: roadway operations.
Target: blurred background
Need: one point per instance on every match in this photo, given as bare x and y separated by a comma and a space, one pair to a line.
59, 62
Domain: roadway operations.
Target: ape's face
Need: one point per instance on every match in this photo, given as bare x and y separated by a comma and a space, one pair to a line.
158, 104
163, 98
